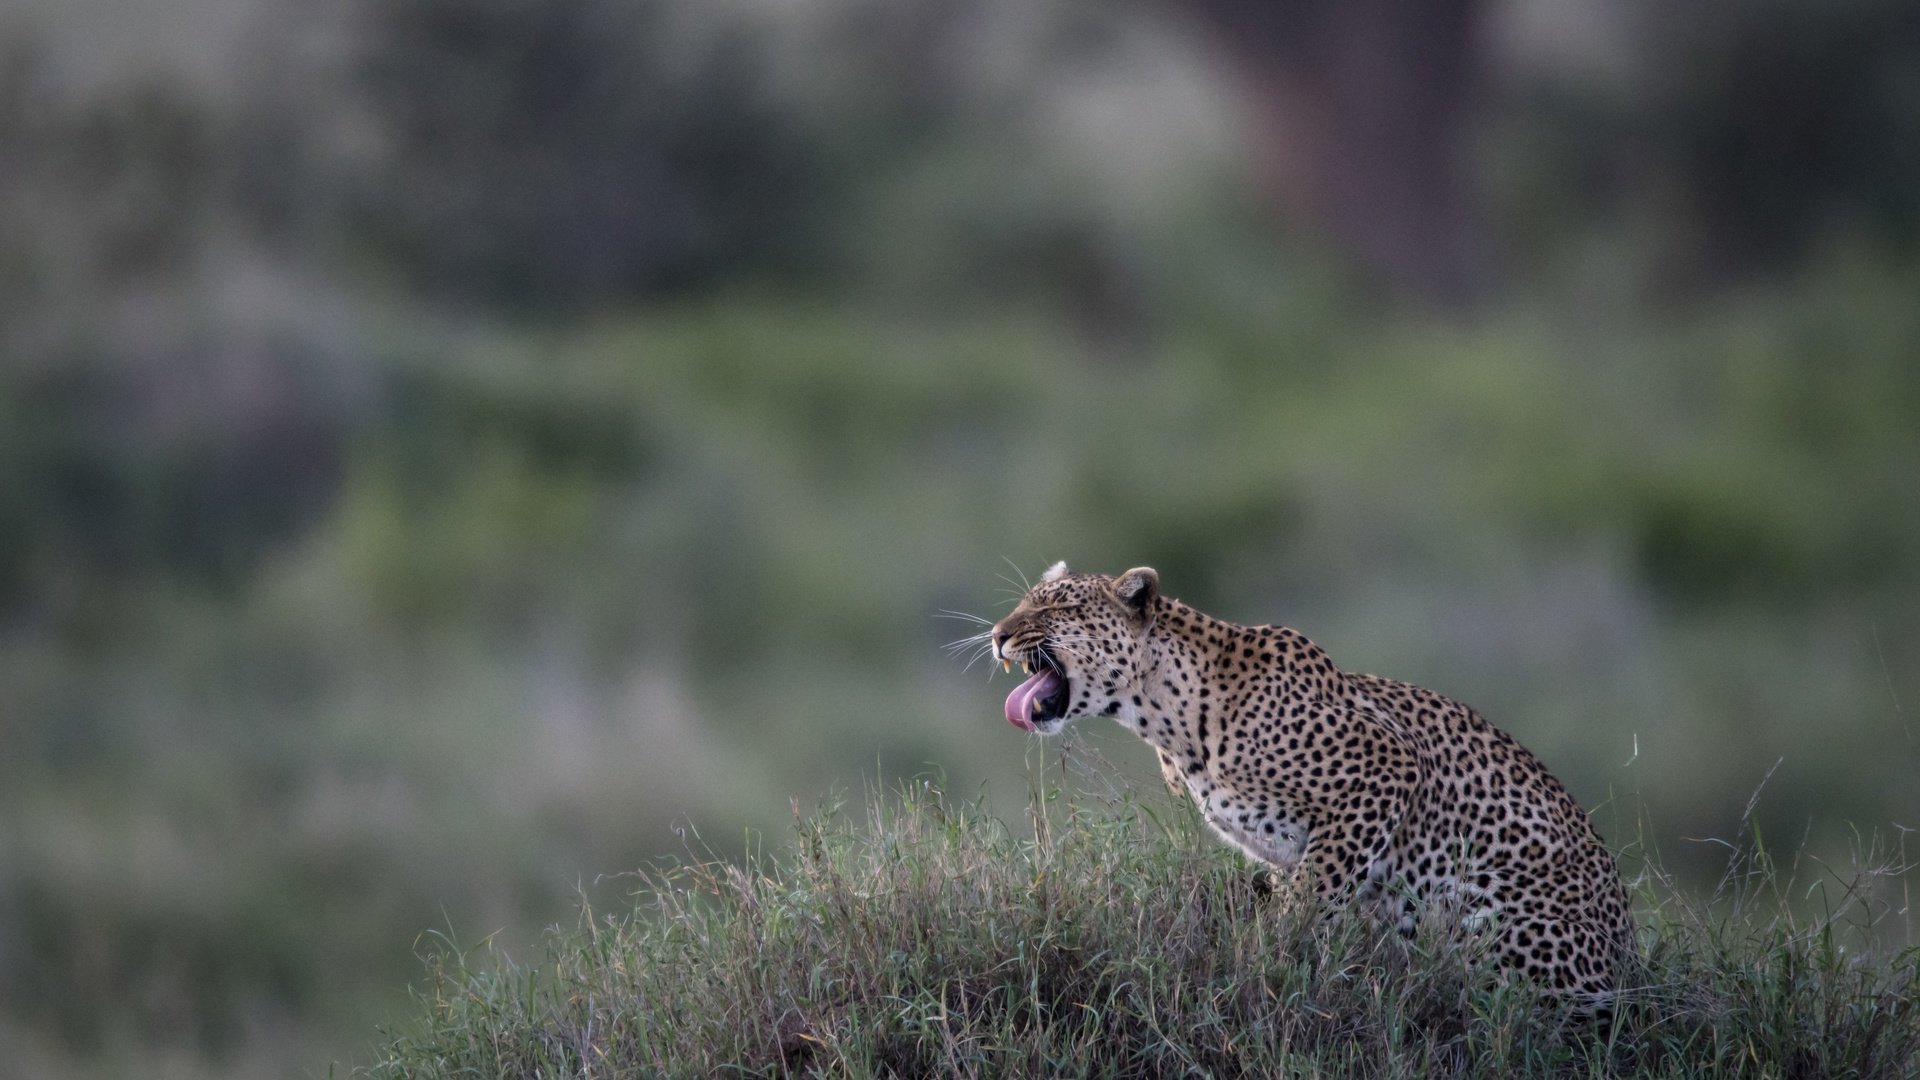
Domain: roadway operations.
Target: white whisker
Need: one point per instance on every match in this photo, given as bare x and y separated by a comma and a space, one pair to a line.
1025, 585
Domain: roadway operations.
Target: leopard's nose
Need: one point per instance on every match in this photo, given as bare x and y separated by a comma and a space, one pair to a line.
1000, 642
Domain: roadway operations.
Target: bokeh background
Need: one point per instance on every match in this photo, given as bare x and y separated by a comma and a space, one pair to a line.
453, 451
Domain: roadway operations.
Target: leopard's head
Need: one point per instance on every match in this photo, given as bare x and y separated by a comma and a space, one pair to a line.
1081, 638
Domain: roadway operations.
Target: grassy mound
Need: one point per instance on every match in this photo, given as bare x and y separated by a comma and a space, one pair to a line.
932, 939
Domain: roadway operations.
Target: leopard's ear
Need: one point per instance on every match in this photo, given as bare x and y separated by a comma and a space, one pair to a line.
1055, 572
1138, 588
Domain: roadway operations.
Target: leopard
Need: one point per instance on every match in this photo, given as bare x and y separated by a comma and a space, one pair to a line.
1371, 792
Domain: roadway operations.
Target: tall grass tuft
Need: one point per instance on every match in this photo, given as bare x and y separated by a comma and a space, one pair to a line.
930, 938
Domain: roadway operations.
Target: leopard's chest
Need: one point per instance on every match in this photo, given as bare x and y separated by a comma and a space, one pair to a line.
1259, 825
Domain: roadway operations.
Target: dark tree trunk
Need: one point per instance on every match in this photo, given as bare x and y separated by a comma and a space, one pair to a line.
1362, 110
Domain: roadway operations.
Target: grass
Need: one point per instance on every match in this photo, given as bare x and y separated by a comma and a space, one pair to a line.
1115, 939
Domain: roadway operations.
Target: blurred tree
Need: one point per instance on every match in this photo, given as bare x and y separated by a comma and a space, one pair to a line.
142, 433
1778, 124
553, 153
1361, 112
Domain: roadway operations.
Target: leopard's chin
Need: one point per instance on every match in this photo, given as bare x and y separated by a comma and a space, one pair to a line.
1051, 725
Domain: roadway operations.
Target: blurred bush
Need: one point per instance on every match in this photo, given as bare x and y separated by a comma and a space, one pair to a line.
1780, 124
1729, 142
531, 155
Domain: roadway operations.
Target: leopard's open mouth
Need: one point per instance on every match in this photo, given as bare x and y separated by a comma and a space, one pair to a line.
1043, 698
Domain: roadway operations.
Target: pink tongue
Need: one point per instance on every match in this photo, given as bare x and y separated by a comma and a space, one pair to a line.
1020, 702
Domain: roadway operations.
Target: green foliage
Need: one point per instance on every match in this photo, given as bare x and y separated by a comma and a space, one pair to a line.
936, 940
1780, 120
543, 156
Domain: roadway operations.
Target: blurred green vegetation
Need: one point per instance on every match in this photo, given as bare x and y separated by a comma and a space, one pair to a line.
685, 566
400, 533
